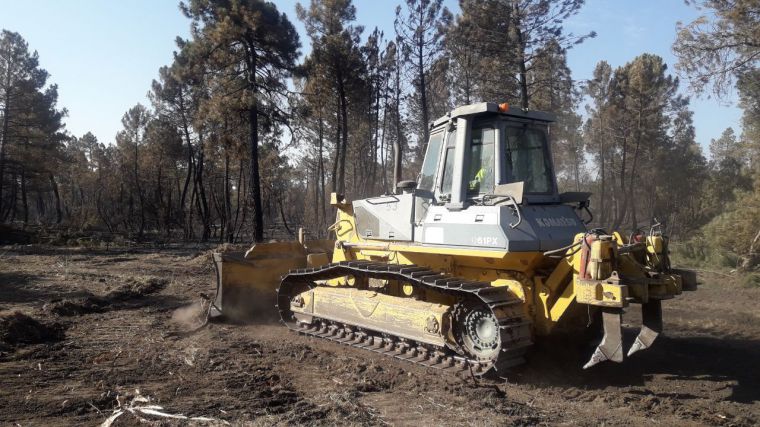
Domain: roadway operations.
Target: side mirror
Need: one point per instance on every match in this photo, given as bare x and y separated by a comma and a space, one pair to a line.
574, 197
407, 186
513, 190
582, 199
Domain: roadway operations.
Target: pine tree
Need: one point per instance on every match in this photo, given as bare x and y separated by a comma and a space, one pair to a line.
748, 86
726, 148
510, 39
597, 133
130, 142
638, 128
420, 38
335, 47
175, 98
250, 48
20, 79
713, 52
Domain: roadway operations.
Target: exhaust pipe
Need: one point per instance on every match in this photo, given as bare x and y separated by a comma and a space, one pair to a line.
396, 165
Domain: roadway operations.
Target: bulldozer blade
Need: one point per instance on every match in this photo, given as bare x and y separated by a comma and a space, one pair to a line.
247, 281
651, 326
611, 347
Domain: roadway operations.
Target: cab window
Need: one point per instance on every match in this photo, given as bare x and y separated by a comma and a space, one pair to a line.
448, 166
480, 174
429, 166
527, 159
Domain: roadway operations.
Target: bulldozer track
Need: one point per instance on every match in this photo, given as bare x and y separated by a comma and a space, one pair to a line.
514, 327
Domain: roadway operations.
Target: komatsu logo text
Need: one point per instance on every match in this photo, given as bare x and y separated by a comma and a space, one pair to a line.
556, 222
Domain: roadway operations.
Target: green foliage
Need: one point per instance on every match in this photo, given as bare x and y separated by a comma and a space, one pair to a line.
516, 52
337, 68
505, 46
728, 238
31, 129
748, 86
735, 229
242, 51
641, 134
751, 280
700, 252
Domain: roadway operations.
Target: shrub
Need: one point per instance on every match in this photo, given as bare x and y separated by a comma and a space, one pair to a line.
751, 280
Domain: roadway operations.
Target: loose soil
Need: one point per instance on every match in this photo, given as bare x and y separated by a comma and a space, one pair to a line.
87, 332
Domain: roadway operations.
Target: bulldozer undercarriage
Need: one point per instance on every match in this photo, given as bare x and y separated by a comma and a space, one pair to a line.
485, 331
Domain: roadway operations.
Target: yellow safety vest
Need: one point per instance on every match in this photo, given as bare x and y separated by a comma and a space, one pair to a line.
478, 179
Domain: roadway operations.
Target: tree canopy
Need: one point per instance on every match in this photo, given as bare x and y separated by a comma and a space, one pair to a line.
713, 51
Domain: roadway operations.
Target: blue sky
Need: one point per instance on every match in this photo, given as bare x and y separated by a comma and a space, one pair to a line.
104, 54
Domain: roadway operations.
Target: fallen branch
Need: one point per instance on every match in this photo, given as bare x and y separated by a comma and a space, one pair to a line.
154, 411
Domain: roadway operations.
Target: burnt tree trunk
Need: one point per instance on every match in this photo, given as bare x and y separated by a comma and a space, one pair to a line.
58, 210
188, 175
253, 131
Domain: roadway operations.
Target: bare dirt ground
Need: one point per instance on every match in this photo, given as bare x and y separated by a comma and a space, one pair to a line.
85, 333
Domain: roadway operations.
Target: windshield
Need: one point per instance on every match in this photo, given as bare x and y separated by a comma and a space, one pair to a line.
526, 159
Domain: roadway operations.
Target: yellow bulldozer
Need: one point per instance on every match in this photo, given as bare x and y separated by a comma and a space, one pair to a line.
466, 267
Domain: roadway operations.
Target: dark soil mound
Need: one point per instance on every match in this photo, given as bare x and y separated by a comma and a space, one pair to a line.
77, 307
137, 288
11, 236
19, 329
115, 299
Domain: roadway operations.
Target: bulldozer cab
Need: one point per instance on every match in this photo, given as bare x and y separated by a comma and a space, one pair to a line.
486, 182
476, 150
